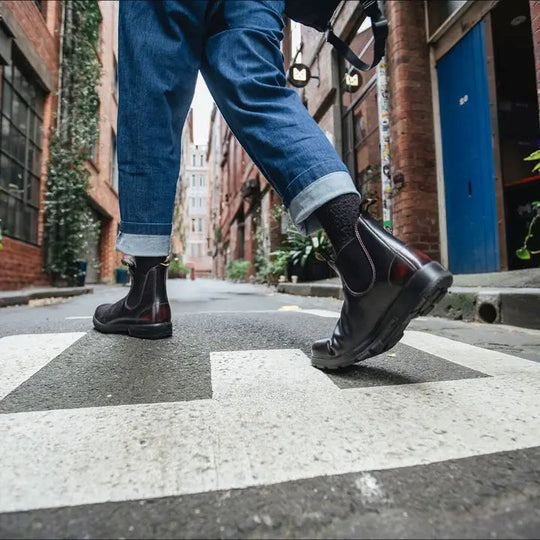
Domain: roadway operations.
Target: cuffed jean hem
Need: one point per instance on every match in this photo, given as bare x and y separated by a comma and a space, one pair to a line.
316, 194
143, 245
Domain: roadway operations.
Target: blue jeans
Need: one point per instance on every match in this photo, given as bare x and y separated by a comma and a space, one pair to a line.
236, 46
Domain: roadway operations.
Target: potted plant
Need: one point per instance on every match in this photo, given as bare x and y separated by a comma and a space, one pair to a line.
524, 252
121, 275
307, 255
80, 275
177, 269
236, 270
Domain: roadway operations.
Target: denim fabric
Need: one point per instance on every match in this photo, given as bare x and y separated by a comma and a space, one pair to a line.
236, 46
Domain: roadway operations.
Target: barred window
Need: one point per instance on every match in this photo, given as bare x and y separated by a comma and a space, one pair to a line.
20, 154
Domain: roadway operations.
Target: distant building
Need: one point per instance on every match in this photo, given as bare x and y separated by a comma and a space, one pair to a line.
191, 224
214, 158
30, 33
245, 220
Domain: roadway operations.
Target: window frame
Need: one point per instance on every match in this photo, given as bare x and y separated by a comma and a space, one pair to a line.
22, 203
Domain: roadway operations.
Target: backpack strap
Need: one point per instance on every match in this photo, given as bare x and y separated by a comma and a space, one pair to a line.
379, 26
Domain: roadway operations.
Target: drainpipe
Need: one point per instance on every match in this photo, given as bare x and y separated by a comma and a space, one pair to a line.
383, 103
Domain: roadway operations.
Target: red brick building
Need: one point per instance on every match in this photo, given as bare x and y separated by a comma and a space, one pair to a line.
241, 206
30, 37
463, 82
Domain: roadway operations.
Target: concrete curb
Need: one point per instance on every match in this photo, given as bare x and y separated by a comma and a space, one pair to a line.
23, 297
504, 305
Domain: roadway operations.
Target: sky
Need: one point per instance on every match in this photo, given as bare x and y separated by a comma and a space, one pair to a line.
202, 108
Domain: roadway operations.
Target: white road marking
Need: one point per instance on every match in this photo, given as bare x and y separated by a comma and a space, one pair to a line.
321, 313
273, 418
23, 355
283, 309
81, 317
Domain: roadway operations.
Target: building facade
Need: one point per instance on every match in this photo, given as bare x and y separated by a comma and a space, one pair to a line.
198, 220
30, 48
463, 113
246, 225
213, 158
103, 185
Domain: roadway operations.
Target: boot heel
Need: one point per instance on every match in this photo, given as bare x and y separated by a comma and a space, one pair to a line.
151, 331
429, 279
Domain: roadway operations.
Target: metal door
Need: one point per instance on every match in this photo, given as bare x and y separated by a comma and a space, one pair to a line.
469, 176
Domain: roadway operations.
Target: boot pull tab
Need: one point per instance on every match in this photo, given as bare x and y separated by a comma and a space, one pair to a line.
366, 204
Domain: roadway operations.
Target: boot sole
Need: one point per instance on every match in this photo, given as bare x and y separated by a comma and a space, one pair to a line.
427, 286
143, 331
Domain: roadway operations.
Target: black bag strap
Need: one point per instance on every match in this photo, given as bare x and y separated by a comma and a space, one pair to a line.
379, 26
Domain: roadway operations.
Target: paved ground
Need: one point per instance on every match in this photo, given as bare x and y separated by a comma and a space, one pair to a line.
225, 430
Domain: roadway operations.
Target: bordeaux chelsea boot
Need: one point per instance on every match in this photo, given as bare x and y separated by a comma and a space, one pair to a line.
385, 285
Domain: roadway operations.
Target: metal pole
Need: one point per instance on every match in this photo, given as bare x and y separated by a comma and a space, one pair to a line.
383, 103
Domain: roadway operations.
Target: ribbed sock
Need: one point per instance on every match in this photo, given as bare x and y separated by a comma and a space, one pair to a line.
338, 218
146, 263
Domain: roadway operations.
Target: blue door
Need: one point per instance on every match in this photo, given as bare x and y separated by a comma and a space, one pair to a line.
469, 176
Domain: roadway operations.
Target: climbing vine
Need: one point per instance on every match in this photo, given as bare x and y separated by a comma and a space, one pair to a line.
69, 226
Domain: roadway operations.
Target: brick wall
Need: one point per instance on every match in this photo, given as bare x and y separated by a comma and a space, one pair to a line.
21, 265
412, 136
42, 31
535, 19
100, 187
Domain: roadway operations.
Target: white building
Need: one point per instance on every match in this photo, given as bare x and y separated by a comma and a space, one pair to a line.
196, 192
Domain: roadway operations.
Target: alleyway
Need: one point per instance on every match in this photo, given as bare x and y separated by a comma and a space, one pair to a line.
225, 430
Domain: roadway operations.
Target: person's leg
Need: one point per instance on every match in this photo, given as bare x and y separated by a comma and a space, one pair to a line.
159, 51
385, 282
243, 68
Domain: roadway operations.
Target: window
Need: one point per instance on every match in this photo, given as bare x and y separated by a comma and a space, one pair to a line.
200, 202
202, 158
40, 6
20, 154
115, 75
193, 180
200, 225
201, 180
94, 149
114, 162
194, 157
439, 11
193, 224
192, 202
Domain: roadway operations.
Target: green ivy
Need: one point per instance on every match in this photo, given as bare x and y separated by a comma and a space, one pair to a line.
69, 226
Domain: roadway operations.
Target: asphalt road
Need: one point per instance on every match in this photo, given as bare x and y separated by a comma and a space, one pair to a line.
225, 430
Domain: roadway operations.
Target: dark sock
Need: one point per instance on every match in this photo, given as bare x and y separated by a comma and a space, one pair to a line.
338, 218
146, 263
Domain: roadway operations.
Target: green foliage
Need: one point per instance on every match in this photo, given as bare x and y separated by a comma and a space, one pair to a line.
524, 253
278, 263
69, 227
236, 270
177, 269
535, 156
304, 249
